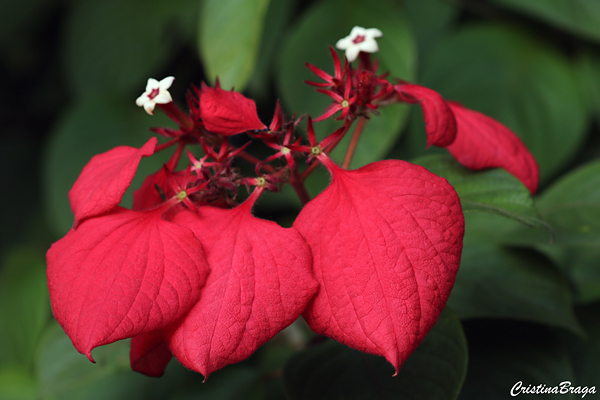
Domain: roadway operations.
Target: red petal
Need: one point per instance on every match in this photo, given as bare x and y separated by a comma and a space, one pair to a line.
149, 354
386, 242
227, 113
329, 111
277, 118
121, 275
483, 142
440, 123
104, 180
260, 282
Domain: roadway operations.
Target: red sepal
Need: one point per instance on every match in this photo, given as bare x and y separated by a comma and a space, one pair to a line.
227, 112
149, 354
386, 242
482, 142
104, 180
260, 282
440, 123
123, 274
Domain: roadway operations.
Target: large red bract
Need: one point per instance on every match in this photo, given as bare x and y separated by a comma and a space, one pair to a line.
482, 142
440, 122
260, 282
123, 274
386, 242
104, 180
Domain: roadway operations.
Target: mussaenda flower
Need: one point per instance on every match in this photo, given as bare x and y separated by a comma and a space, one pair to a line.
360, 39
156, 93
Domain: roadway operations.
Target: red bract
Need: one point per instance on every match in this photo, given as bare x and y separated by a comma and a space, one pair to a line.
482, 142
386, 241
104, 180
260, 282
149, 354
123, 274
227, 112
148, 196
440, 122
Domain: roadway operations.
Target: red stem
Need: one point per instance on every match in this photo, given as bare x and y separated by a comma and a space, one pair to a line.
299, 187
251, 159
353, 142
174, 160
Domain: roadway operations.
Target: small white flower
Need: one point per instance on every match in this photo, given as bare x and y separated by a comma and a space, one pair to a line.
156, 93
360, 39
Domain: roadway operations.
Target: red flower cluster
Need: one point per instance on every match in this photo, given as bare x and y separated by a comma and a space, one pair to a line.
189, 272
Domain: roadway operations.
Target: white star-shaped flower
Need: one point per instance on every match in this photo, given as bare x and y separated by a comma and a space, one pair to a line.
156, 93
360, 39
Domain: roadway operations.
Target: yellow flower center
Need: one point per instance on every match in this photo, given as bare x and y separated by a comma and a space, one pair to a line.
182, 195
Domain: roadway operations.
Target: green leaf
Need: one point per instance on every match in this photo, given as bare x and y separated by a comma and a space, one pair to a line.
231, 383
277, 20
502, 354
495, 282
19, 19
16, 385
578, 16
520, 82
20, 188
585, 352
488, 228
308, 41
493, 190
61, 369
24, 306
63, 373
91, 127
588, 79
431, 20
580, 264
230, 36
435, 370
117, 44
572, 206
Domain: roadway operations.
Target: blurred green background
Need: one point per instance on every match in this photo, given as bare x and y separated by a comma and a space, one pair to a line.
522, 309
